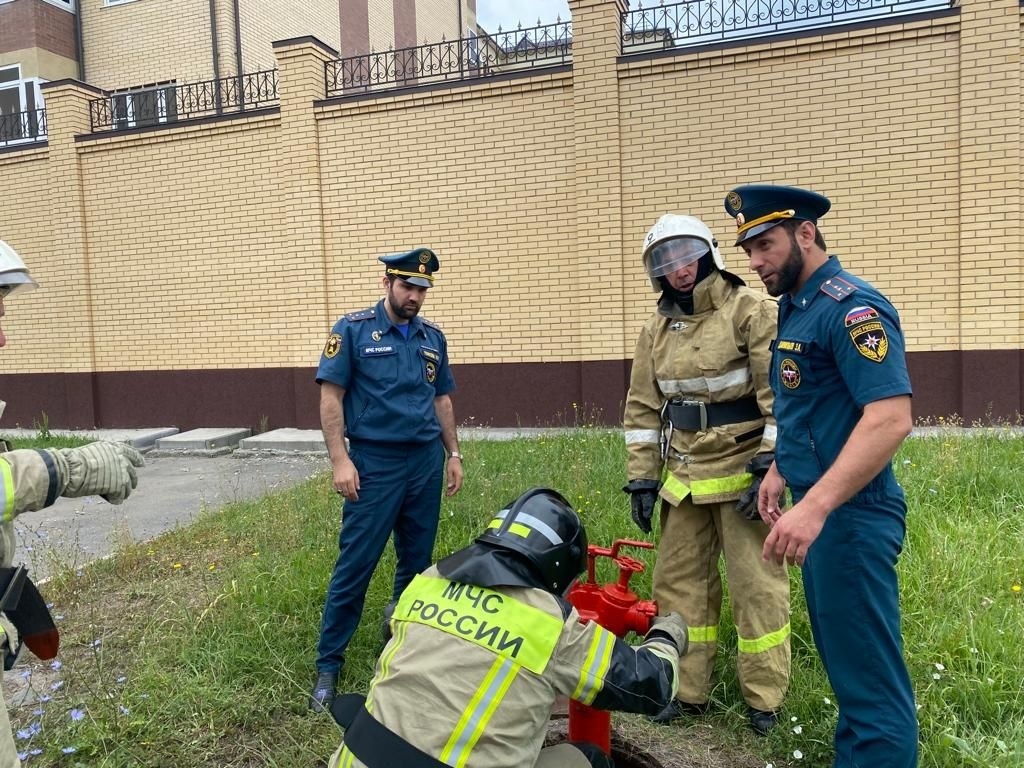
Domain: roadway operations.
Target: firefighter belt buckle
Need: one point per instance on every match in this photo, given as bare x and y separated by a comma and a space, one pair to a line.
702, 409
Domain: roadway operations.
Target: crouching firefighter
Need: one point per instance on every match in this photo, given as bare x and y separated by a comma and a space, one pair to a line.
700, 436
31, 480
485, 641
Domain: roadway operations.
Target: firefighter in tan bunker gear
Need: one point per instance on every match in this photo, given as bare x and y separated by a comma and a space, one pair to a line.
485, 641
700, 435
31, 480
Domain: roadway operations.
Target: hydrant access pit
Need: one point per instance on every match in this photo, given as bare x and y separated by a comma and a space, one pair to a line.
625, 753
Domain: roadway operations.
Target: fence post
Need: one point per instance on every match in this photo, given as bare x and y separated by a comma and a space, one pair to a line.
596, 44
67, 276
990, 206
299, 249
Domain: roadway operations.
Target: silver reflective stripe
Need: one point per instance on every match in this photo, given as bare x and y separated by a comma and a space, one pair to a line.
635, 436
701, 384
770, 432
534, 523
484, 703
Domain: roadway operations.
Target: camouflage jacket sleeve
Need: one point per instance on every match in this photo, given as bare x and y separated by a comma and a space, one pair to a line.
642, 418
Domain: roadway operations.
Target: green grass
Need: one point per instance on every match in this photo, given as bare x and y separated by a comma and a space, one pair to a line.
197, 649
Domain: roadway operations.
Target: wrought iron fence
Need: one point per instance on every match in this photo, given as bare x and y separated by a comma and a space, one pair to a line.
172, 102
463, 59
23, 127
696, 22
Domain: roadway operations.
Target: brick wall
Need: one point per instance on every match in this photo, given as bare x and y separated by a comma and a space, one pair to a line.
233, 245
39, 36
146, 41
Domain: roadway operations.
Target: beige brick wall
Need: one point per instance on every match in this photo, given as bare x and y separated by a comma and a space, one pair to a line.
182, 229
206, 250
146, 41
483, 176
439, 19
264, 21
868, 118
36, 339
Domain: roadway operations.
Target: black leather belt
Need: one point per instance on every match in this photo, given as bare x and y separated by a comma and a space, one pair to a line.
695, 416
376, 745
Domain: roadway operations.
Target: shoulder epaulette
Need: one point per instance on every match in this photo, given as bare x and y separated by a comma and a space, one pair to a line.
362, 314
837, 288
432, 324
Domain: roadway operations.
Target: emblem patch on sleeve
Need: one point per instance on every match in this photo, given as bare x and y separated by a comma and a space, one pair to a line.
431, 373
870, 340
333, 346
789, 373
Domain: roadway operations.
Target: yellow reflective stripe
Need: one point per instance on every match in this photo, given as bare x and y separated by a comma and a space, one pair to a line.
478, 713
702, 634
721, 484
346, 758
674, 485
385, 660
764, 642
7, 484
489, 619
595, 667
517, 528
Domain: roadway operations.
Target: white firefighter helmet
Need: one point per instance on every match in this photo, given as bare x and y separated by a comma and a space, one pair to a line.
14, 274
675, 241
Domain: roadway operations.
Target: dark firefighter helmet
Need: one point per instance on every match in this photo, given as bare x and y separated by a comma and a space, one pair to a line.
539, 530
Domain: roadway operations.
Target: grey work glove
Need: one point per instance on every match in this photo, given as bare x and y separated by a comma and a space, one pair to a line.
643, 495
101, 468
758, 467
670, 626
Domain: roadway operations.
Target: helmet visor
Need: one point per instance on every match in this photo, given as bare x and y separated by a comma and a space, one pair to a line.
669, 255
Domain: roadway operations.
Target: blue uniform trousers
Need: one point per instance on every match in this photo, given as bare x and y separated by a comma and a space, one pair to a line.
853, 600
400, 493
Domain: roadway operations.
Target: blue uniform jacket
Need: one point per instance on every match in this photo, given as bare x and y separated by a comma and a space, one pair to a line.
839, 347
390, 381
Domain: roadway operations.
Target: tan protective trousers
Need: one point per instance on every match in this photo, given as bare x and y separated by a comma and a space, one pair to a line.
687, 580
8, 752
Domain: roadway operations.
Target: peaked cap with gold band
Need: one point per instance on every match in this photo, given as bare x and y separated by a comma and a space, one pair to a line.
416, 266
759, 207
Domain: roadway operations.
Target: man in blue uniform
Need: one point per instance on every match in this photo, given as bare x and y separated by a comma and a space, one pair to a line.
842, 405
384, 385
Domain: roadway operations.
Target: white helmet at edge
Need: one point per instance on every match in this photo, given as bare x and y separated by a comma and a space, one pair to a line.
675, 241
14, 274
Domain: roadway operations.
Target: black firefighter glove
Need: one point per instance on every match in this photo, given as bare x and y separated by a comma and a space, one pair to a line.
758, 467
643, 494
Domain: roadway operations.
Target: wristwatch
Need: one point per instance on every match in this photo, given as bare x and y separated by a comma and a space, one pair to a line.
455, 455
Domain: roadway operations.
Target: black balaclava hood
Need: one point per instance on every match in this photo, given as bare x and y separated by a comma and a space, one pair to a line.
684, 300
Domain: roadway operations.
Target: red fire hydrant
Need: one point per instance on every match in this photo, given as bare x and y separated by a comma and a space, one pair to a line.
618, 609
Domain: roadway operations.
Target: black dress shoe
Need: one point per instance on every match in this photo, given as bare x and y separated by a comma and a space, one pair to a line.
322, 696
677, 709
761, 722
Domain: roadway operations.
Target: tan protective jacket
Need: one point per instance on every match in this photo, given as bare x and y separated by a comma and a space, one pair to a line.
24, 480
470, 691
719, 354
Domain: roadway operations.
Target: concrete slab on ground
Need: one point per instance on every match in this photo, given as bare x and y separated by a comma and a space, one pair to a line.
143, 438
206, 441
286, 440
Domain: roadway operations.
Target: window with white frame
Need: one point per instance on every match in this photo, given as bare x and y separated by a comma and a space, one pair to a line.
144, 106
20, 106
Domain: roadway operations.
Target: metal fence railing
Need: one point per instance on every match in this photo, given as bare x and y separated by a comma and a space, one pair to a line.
171, 102
698, 22
463, 59
23, 127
